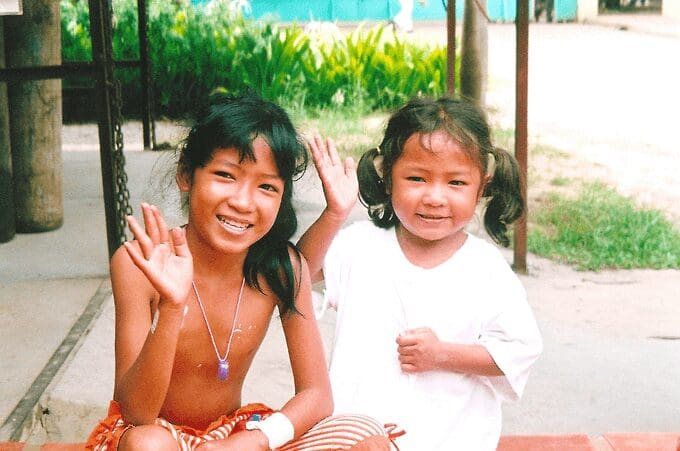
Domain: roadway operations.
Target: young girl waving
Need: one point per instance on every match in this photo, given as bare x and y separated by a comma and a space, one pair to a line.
433, 327
193, 303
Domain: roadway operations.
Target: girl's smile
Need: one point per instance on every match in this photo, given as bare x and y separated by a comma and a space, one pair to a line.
435, 187
244, 196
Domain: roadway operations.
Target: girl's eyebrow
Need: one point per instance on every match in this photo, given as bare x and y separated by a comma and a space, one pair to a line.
226, 162
419, 166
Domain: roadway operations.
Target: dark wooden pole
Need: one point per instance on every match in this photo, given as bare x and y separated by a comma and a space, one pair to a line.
474, 54
145, 68
7, 210
102, 56
451, 47
521, 133
34, 39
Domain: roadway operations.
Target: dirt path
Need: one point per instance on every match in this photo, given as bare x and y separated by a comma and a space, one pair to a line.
608, 98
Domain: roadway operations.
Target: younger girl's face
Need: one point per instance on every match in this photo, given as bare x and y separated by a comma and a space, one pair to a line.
232, 203
435, 189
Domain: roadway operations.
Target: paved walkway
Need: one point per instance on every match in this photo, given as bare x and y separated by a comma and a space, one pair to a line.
611, 338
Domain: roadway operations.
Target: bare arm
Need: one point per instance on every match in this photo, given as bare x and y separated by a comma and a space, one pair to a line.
421, 350
313, 400
157, 263
340, 187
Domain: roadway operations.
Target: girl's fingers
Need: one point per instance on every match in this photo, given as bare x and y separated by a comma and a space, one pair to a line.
318, 151
136, 255
150, 223
332, 152
179, 240
163, 233
142, 238
350, 166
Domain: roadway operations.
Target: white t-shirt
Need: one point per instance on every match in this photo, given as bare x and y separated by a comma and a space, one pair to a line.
473, 297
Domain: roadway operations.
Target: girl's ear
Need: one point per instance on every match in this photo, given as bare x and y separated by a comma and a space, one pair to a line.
183, 181
482, 186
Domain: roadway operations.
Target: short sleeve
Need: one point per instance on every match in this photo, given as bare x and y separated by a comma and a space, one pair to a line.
514, 342
332, 268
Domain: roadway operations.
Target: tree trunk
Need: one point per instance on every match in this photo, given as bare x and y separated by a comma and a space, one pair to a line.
7, 212
34, 39
474, 54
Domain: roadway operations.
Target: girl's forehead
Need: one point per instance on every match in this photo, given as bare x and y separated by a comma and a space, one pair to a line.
262, 157
437, 144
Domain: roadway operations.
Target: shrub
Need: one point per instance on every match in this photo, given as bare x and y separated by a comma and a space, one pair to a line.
195, 50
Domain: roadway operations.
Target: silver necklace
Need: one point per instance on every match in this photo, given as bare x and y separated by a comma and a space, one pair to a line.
222, 363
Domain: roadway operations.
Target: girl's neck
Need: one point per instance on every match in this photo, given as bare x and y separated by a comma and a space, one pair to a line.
426, 253
210, 262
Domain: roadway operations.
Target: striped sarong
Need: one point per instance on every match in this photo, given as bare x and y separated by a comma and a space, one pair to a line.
340, 432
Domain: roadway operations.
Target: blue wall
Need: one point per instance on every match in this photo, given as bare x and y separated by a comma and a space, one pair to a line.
359, 10
346, 10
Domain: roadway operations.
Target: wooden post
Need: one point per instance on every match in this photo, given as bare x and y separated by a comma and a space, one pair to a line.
451, 47
145, 77
7, 211
34, 39
521, 127
474, 54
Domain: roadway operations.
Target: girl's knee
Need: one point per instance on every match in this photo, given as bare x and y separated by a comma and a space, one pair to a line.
147, 437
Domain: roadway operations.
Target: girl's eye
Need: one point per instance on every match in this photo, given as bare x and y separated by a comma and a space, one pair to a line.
268, 187
414, 178
456, 182
224, 174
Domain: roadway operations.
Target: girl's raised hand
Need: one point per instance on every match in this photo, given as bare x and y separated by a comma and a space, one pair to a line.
163, 256
338, 178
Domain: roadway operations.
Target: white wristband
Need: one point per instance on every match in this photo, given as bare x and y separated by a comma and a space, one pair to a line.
277, 427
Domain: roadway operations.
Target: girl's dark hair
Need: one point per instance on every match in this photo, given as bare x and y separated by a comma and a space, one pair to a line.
234, 122
465, 123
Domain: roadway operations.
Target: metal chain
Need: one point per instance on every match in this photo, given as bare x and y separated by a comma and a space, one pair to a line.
122, 195
122, 201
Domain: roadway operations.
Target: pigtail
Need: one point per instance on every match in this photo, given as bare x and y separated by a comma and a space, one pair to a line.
506, 203
372, 189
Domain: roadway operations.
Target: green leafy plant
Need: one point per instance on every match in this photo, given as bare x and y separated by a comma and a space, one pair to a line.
195, 50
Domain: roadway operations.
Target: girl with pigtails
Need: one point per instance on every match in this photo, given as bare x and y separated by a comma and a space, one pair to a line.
433, 328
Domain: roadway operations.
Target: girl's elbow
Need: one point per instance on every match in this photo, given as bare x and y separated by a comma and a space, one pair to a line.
136, 418
134, 414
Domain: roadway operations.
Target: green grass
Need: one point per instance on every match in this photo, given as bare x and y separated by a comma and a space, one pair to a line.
601, 229
354, 130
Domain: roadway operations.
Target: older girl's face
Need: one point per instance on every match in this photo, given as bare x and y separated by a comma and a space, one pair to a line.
232, 203
435, 188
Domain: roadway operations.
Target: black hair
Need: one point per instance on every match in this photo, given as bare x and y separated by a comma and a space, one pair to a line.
465, 123
229, 121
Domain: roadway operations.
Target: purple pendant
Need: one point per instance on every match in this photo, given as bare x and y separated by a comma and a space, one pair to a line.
222, 369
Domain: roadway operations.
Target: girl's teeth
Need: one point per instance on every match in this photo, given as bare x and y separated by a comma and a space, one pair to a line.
241, 226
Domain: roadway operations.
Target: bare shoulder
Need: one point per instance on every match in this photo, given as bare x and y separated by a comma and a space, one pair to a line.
127, 281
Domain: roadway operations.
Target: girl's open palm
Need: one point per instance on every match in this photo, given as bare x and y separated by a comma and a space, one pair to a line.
162, 256
338, 178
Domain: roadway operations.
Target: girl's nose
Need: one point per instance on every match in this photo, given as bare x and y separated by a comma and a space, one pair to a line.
434, 195
241, 199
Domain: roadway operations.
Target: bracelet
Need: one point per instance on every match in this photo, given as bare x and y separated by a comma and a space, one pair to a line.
276, 427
